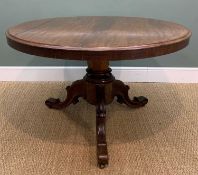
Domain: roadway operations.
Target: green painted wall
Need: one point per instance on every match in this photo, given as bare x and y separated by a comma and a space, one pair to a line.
184, 12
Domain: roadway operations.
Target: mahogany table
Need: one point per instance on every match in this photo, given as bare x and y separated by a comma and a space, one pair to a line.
98, 40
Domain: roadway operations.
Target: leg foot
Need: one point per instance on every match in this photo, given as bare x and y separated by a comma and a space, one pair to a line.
52, 102
76, 90
121, 91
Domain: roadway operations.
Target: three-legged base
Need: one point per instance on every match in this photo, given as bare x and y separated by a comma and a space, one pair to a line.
98, 88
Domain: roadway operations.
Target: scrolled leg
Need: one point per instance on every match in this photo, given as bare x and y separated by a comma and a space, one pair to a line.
76, 90
120, 90
102, 153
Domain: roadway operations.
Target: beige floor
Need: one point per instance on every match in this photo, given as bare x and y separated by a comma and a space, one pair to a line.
161, 138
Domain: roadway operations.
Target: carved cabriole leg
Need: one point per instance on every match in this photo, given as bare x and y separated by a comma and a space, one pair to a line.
121, 91
76, 90
102, 153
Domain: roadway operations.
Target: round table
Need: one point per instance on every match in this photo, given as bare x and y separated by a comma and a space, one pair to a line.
98, 40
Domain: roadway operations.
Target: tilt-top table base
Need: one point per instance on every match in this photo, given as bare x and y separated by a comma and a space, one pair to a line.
98, 87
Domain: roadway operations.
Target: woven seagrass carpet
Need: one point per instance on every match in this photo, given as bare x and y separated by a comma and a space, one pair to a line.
158, 139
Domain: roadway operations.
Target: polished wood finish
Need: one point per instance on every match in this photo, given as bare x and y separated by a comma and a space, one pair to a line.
102, 153
98, 88
98, 40
89, 38
120, 90
76, 90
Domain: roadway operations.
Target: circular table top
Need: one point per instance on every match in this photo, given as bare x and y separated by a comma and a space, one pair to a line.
104, 37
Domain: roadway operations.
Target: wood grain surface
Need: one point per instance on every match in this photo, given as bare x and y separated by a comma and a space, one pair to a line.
111, 38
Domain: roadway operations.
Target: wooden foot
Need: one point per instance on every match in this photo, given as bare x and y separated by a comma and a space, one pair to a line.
120, 90
102, 153
76, 90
